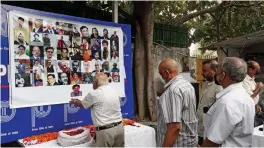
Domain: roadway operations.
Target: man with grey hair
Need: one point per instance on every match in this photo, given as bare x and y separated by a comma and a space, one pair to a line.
209, 90
229, 122
253, 88
106, 112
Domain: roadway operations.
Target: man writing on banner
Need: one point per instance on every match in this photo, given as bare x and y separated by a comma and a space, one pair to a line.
176, 109
209, 90
106, 112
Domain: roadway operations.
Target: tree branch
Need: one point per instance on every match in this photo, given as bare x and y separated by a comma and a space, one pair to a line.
222, 5
241, 5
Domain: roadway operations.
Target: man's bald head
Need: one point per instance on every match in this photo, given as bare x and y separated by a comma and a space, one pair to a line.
253, 68
168, 69
100, 80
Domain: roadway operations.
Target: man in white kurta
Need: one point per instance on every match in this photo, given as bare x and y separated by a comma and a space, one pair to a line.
253, 88
209, 91
230, 120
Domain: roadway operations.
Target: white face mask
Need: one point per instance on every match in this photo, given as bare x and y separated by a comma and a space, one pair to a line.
162, 80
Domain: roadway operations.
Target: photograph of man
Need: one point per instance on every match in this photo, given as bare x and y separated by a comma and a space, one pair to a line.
36, 53
106, 56
87, 78
76, 33
76, 42
46, 40
76, 91
19, 81
21, 67
37, 67
22, 53
97, 69
38, 26
51, 80
105, 67
84, 31
115, 69
49, 66
95, 34
76, 66
63, 66
97, 58
76, 54
115, 77
49, 28
37, 81
105, 34
49, 53
96, 46
86, 66
20, 28
110, 117
63, 79
114, 42
63, 54
75, 78
114, 57
20, 40
61, 43
59, 28
36, 38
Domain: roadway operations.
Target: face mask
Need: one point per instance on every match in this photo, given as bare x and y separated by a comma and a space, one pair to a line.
257, 72
217, 81
162, 80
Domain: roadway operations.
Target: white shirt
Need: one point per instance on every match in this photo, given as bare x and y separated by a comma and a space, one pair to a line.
249, 84
38, 68
105, 105
209, 91
20, 82
230, 120
115, 60
23, 56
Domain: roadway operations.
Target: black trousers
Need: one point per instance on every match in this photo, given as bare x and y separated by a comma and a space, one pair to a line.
200, 140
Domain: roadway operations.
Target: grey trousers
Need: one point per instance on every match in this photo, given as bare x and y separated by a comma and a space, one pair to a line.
112, 137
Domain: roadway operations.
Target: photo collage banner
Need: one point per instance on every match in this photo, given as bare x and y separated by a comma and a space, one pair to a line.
53, 61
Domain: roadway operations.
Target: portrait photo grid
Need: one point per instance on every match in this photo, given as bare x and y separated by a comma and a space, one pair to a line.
54, 53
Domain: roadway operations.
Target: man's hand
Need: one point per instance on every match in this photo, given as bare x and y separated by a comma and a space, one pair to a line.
76, 102
172, 133
258, 108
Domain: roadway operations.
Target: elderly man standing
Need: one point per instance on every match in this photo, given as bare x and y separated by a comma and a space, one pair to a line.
253, 88
176, 109
229, 122
106, 112
209, 90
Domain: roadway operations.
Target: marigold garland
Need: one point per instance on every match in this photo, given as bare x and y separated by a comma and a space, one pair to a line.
38, 139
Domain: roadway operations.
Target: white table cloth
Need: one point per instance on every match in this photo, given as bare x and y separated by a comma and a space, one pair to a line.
143, 136
258, 137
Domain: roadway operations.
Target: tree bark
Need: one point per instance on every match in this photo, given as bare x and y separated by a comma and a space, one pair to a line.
143, 62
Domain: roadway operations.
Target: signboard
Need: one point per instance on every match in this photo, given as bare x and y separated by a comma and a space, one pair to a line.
17, 123
53, 60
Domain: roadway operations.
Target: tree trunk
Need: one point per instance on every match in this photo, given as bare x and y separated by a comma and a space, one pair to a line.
143, 62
